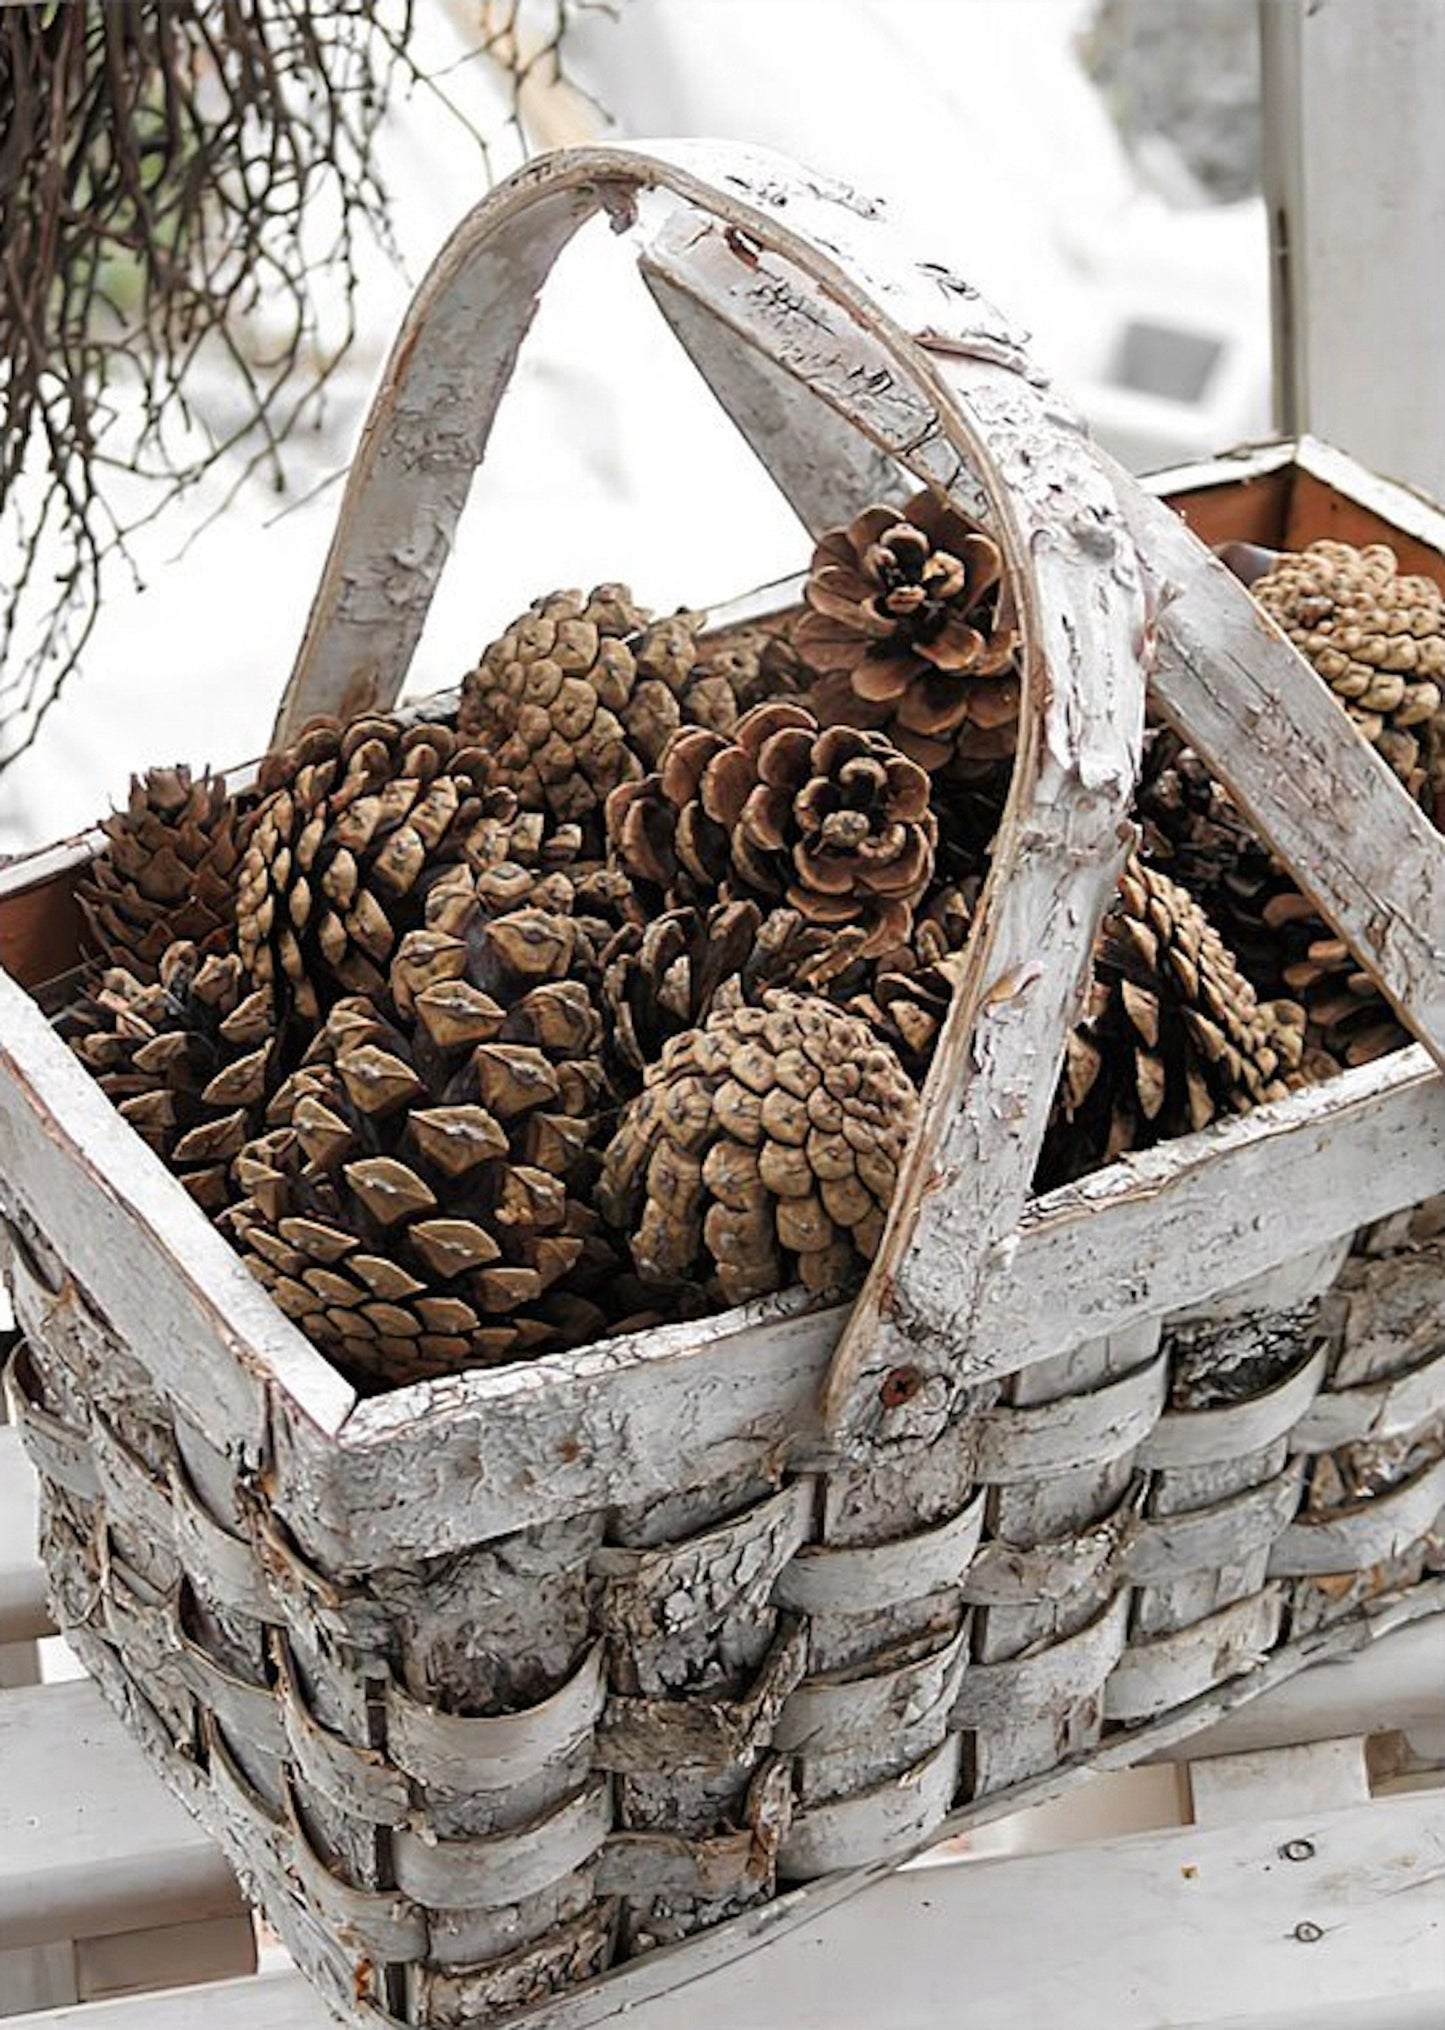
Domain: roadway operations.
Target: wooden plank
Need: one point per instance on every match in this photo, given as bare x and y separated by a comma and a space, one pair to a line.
1355, 186
269, 2001
90, 1842
1272, 1782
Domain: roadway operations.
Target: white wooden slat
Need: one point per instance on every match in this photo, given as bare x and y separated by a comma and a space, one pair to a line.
91, 1843
1198, 1928
270, 2001
1269, 1783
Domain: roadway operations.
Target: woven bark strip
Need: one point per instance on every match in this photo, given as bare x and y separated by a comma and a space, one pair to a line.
494, 1681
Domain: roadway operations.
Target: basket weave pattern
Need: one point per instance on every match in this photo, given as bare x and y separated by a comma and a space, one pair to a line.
465, 1785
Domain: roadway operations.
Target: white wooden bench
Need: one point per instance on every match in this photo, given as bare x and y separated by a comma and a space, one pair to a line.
106, 1885
1322, 1909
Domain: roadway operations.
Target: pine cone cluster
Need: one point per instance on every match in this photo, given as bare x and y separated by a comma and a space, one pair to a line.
613, 1001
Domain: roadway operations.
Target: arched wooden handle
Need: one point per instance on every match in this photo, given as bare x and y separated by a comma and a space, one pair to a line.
902, 339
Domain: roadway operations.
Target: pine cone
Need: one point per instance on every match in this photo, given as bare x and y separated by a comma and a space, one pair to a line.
354, 822
188, 1059
581, 694
422, 1191
735, 670
166, 872
1377, 638
763, 1149
836, 822
912, 630
1194, 831
1172, 1038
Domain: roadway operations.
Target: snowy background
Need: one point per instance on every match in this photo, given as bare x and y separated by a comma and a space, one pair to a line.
997, 152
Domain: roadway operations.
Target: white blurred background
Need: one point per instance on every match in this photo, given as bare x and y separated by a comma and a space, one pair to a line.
1091, 165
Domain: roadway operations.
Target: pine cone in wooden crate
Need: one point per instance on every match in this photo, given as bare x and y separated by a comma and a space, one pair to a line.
581, 694
353, 823
166, 872
1193, 830
763, 1150
1376, 636
911, 629
1173, 1035
419, 1201
188, 1058
835, 821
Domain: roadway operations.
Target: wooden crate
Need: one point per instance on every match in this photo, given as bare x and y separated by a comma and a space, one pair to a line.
783, 1595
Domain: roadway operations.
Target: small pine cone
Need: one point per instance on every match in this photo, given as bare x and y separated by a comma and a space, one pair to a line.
578, 695
166, 872
419, 1202
835, 821
1172, 1038
188, 1059
1375, 635
736, 670
353, 823
764, 1149
912, 630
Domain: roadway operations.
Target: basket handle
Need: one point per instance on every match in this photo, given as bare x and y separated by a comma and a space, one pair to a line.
993, 437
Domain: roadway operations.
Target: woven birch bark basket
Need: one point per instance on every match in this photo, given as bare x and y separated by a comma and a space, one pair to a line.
543, 1687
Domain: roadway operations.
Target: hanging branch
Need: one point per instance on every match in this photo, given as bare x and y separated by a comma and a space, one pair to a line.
173, 178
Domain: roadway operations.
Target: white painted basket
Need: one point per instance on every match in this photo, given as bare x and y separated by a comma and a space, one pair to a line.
495, 1683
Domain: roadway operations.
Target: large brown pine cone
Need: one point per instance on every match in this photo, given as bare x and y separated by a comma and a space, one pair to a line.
911, 629
166, 871
353, 823
835, 821
1193, 831
1173, 1035
1376, 636
764, 1149
582, 693
188, 1058
419, 1203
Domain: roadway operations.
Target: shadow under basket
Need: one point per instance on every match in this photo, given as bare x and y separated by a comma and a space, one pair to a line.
546, 1687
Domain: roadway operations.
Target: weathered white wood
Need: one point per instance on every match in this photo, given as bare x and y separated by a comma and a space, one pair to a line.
1355, 186
454, 355
1305, 1777
90, 1844
269, 2001
1397, 1683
